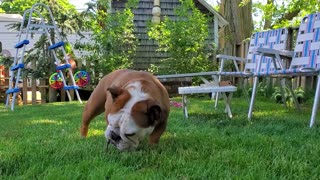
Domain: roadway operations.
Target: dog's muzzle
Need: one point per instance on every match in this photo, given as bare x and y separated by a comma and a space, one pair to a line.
123, 144
114, 138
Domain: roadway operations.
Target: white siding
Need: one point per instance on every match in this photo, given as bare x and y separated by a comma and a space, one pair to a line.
10, 38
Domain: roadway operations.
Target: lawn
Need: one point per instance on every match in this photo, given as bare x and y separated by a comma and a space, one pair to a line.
43, 142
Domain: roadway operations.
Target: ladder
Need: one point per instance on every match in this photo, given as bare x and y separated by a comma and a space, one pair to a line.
43, 27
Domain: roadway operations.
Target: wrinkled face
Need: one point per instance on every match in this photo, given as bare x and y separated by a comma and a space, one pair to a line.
132, 117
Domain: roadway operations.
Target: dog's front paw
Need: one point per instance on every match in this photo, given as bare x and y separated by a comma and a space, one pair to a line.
84, 131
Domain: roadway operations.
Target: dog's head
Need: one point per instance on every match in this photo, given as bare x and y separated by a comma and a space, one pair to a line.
133, 116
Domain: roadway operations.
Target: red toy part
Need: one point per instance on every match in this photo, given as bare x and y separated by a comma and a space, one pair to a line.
81, 78
55, 81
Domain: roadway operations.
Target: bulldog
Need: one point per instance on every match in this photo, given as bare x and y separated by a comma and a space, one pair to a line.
136, 105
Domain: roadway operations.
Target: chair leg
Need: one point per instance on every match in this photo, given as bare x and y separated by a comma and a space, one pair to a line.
253, 95
184, 106
315, 103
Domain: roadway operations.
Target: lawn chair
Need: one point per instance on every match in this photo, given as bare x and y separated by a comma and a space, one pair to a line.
305, 58
273, 39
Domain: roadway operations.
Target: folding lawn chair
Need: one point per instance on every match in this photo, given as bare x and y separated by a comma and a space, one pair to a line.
305, 59
273, 39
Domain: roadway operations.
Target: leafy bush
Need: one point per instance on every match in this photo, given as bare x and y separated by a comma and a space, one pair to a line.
261, 90
6, 61
184, 39
277, 95
112, 43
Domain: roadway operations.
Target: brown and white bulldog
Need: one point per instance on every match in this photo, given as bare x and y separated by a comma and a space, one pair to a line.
136, 105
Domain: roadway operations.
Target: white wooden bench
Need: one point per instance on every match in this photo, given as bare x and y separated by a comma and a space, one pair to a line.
225, 90
209, 86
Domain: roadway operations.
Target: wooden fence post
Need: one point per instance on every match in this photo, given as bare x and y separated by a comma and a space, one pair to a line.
33, 91
25, 91
43, 90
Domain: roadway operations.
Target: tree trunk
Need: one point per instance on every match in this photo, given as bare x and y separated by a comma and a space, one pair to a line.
267, 21
240, 24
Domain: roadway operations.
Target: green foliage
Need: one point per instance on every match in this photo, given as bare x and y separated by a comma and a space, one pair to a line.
40, 57
284, 13
277, 96
63, 11
184, 39
113, 43
6, 61
244, 3
262, 89
300, 94
16, 6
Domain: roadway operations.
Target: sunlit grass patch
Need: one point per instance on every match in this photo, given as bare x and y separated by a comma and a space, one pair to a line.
43, 142
45, 121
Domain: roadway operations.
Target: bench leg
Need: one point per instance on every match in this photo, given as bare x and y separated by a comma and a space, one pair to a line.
227, 100
184, 106
216, 101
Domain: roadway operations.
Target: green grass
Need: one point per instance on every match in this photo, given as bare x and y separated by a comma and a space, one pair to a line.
43, 142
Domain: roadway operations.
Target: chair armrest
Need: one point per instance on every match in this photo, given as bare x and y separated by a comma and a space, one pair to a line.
273, 52
210, 73
235, 60
227, 57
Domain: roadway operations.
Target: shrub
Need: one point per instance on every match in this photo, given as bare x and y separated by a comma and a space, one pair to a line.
184, 39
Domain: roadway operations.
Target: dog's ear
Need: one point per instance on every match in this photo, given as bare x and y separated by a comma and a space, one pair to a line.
119, 97
115, 92
154, 113
146, 113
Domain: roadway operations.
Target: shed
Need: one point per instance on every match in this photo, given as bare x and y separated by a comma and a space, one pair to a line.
8, 37
146, 50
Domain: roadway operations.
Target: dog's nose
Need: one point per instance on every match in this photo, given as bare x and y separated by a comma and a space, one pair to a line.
115, 136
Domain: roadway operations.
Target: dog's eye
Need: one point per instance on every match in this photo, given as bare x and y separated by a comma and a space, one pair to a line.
132, 134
